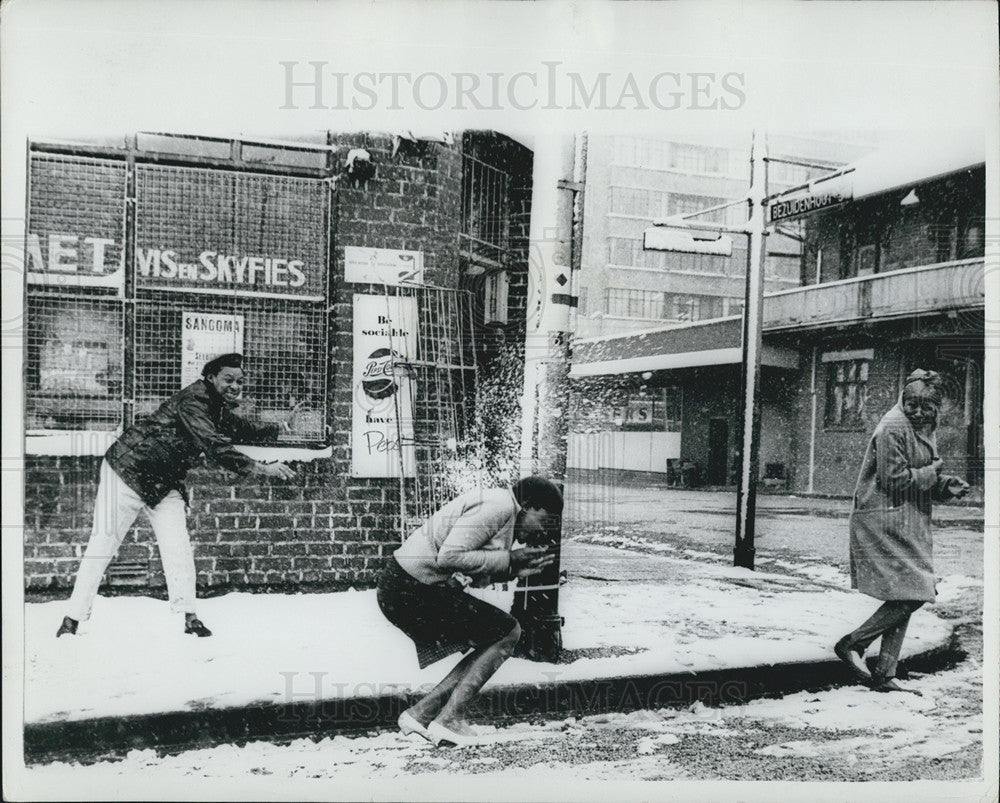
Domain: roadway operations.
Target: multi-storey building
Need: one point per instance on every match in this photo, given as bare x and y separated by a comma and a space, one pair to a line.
634, 180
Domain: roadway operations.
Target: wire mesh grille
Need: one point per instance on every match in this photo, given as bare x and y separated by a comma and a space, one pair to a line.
74, 368
243, 255
443, 372
283, 342
82, 203
485, 210
237, 232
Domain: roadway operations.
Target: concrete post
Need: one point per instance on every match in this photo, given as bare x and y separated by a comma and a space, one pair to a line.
556, 223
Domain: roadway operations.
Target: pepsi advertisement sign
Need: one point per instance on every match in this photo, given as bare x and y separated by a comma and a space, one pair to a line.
385, 339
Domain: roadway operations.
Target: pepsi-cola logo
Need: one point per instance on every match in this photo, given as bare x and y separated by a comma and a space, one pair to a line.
377, 379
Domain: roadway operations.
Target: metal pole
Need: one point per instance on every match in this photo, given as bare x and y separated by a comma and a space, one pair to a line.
746, 497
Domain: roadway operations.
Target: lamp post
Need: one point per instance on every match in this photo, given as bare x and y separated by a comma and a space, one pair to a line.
676, 235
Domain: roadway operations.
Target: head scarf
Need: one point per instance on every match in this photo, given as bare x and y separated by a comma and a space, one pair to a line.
923, 384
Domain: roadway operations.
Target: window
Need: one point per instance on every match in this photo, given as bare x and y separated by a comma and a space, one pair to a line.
681, 204
495, 292
655, 410
74, 377
687, 308
698, 263
220, 261
697, 159
631, 201
624, 251
846, 393
625, 303
782, 266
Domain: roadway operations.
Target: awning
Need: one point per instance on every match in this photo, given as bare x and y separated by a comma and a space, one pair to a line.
694, 345
922, 157
774, 356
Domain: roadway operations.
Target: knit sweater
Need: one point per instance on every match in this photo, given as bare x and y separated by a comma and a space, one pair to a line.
472, 535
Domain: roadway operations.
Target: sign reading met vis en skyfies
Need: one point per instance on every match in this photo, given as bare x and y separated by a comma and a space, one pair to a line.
196, 230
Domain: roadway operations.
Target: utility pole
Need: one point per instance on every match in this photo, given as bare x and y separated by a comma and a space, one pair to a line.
753, 305
676, 235
555, 256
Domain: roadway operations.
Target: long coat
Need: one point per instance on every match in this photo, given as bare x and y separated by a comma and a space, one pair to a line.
153, 455
891, 544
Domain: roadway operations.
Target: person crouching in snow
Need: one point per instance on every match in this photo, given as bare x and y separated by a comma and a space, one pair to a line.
145, 469
891, 545
472, 535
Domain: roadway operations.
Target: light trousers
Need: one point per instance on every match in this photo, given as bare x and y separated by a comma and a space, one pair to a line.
889, 622
115, 510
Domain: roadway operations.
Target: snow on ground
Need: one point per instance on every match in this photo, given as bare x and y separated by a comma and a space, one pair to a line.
132, 657
844, 725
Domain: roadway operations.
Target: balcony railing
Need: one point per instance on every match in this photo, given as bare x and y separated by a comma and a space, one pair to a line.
911, 291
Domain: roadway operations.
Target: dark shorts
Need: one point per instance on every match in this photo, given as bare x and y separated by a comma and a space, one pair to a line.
440, 619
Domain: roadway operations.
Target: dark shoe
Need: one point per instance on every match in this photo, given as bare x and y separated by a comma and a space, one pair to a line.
68, 627
889, 684
197, 627
853, 658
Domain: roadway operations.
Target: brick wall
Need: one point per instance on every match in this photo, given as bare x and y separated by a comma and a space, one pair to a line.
324, 529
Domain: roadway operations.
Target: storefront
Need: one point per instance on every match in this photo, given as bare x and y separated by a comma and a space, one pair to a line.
347, 294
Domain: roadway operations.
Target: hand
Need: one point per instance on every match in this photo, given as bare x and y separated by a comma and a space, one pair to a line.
529, 560
937, 462
957, 487
278, 470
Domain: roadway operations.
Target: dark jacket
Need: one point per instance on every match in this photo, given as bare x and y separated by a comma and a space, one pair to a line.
153, 455
891, 545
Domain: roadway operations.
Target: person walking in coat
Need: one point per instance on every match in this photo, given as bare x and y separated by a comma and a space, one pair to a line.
421, 591
891, 549
145, 469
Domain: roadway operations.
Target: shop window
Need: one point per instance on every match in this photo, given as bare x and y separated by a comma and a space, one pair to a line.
654, 410
74, 369
846, 393
221, 261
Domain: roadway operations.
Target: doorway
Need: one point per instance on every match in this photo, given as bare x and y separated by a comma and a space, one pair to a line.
718, 450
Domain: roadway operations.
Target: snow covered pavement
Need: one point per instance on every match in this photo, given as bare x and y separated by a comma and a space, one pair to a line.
678, 615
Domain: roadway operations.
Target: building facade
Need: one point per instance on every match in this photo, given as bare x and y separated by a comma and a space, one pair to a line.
332, 262
891, 273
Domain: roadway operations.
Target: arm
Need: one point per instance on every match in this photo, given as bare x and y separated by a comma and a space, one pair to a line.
243, 431
217, 446
462, 549
895, 475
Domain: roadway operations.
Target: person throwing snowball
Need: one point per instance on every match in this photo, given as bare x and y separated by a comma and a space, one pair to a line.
419, 593
145, 469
